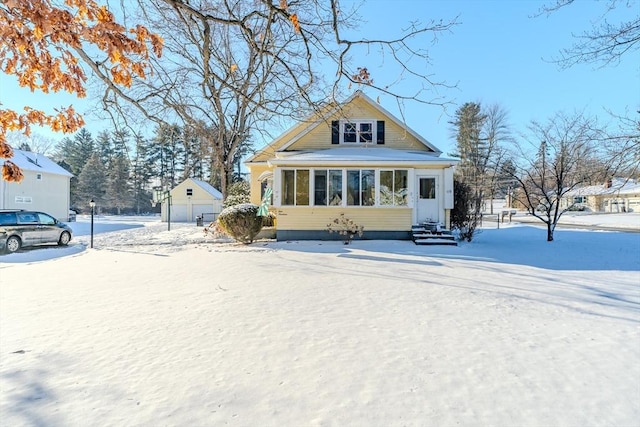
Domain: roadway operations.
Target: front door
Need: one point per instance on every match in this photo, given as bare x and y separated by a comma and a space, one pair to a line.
427, 203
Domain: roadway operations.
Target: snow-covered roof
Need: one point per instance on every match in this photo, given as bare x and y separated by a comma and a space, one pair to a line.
618, 186
208, 188
29, 161
359, 155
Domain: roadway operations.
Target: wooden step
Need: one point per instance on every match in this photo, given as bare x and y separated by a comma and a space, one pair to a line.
432, 236
435, 242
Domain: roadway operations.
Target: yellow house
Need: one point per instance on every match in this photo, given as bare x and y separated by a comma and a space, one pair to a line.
359, 161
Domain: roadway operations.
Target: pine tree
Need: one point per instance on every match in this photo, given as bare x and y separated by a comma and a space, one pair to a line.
141, 174
92, 183
119, 194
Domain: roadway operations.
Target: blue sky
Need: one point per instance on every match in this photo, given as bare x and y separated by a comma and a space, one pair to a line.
498, 54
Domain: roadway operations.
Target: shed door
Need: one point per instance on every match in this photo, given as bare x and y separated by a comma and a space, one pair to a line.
427, 202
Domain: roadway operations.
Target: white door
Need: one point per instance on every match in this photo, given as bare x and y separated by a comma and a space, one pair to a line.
427, 203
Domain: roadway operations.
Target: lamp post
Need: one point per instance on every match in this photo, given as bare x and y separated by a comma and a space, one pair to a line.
160, 196
92, 203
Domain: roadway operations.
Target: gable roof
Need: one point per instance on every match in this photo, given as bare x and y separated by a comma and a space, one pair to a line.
618, 186
207, 187
29, 161
315, 122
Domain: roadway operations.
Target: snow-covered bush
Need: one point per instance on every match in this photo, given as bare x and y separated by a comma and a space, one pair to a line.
241, 222
237, 194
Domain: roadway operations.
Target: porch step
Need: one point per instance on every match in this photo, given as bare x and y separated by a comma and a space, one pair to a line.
430, 234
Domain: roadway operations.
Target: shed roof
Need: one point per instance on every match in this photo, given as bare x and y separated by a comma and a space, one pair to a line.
208, 188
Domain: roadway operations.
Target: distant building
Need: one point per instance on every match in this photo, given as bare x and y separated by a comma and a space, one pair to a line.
192, 198
46, 186
615, 195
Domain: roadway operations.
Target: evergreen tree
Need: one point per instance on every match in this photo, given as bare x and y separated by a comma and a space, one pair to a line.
92, 183
104, 147
141, 174
473, 153
119, 195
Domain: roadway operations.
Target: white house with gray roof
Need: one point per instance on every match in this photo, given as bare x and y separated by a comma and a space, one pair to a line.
46, 186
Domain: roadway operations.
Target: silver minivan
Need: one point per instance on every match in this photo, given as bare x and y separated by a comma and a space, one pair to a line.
21, 228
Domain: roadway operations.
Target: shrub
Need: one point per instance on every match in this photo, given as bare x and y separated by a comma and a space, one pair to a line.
269, 220
241, 222
346, 228
238, 193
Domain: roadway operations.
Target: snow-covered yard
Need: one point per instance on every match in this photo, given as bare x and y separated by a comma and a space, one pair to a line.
169, 328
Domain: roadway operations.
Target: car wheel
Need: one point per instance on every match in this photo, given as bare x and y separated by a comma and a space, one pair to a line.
64, 238
13, 244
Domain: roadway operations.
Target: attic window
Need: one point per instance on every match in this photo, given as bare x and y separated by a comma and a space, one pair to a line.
189, 191
357, 132
39, 176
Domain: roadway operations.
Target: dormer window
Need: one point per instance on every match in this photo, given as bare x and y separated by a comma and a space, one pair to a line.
357, 132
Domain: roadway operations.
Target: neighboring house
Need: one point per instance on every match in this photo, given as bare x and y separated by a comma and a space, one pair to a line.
616, 195
192, 198
360, 161
45, 187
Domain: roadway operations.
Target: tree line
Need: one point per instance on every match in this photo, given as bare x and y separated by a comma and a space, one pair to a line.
119, 169
537, 167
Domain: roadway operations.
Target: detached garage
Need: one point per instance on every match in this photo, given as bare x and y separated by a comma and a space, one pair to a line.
192, 198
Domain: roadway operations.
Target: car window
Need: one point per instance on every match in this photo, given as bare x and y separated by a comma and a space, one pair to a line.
7, 218
46, 219
27, 218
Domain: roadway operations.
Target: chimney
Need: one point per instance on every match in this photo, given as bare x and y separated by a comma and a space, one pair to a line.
608, 183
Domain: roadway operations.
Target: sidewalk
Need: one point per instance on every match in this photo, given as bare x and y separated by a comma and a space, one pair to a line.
629, 221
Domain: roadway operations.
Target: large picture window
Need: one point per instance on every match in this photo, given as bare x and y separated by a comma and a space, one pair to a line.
393, 187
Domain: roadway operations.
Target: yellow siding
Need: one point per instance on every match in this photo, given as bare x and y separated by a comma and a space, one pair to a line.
254, 172
395, 136
317, 135
317, 218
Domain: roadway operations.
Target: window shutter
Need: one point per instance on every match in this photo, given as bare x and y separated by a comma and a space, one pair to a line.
335, 132
380, 136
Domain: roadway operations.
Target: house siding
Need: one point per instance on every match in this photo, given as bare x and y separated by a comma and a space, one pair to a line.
395, 136
318, 217
50, 194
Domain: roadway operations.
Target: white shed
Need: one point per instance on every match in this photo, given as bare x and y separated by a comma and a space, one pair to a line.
46, 186
192, 198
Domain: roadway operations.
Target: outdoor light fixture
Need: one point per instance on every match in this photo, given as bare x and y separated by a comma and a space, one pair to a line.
159, 196
92, 204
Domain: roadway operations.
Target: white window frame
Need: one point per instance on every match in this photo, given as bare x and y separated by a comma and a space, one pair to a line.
278, 196
357, 123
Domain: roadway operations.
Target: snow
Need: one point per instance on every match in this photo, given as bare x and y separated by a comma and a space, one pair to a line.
154, 327
28, 160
